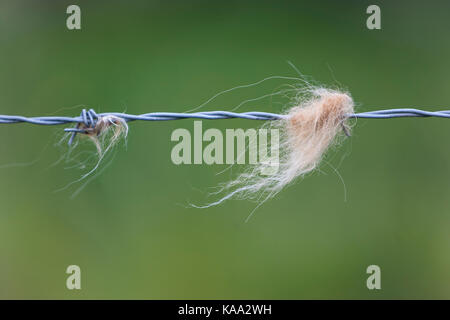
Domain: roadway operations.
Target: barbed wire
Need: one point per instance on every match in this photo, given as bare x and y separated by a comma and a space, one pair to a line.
89, 117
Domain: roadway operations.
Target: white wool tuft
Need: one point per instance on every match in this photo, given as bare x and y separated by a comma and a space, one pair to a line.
306, 133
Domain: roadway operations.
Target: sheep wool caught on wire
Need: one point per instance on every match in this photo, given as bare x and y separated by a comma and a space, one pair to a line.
306, 131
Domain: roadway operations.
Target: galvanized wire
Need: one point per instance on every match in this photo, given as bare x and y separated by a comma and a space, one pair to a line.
89, 117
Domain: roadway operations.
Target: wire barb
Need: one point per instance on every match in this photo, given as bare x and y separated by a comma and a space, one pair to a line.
89, 118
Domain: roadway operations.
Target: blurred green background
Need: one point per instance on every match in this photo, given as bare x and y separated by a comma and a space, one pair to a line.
130, 230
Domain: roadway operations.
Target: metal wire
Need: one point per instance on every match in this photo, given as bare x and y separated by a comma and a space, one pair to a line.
89, 117
401, 113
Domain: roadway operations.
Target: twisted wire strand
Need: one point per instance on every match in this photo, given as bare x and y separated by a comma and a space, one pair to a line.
89, 118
